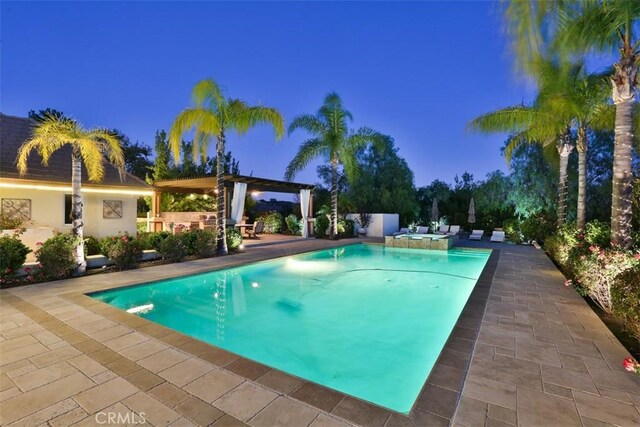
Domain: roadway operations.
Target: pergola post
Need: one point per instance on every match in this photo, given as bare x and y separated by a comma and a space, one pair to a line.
155, 223
311, 221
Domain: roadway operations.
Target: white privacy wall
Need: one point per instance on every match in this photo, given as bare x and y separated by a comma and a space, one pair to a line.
381, 224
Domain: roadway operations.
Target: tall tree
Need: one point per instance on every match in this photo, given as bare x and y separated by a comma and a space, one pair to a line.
384, 182
136, 155
332, 140
212, 117
88, 146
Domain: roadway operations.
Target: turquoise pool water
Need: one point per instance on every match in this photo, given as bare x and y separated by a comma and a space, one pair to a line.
366, 320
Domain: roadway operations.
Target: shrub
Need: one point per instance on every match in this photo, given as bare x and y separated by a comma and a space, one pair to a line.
346, 228
234, 239
293, 225
625, 298
204, 243
92, 246
152, 240
272, 221
596, 271
536, 228
13, 254
597, 233
188, 240
123, 250
512, 230
56, 256
172, 248
321, 226
560, 244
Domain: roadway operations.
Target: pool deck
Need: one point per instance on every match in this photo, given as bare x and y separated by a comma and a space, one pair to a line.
526, 351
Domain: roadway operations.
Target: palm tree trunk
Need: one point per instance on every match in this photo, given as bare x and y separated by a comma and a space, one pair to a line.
76, 212
334, 199
621, 199
582, 146
564, 149
221, 214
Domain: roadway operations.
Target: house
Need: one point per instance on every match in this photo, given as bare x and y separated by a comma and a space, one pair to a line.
42, 197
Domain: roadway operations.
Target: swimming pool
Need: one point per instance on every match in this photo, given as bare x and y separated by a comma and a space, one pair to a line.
366, 320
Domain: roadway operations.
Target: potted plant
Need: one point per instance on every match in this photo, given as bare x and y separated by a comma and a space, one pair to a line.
364, 221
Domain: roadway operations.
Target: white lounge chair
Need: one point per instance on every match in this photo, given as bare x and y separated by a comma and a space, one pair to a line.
443, 229
497, 236
423, 230
401, 231
453, 230
476, 235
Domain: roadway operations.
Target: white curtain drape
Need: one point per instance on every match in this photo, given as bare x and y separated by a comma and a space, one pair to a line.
237, 202
305, 198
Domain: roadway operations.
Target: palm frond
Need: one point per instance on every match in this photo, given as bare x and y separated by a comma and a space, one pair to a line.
92, 157
308, 151
110, 146
509, 119
595, 25
603, 117
243, 117
349, 161
49, 136
365, 136
208, 94
205, 122
526, 24
309, 123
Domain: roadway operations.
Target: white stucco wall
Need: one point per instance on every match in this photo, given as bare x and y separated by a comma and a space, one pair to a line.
47, 210
381, 224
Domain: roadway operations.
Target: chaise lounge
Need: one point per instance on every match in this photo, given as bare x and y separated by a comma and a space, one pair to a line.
476, 235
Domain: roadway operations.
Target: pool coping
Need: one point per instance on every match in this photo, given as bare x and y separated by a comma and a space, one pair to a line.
436, 404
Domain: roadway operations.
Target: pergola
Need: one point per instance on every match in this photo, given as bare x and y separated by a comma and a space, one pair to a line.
209, 184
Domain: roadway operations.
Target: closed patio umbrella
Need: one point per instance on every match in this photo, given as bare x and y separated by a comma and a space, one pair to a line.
472, 212
435, 215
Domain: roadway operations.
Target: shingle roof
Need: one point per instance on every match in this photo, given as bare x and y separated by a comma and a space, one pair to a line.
14, 131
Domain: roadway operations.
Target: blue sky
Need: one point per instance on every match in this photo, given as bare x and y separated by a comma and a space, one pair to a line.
418, 71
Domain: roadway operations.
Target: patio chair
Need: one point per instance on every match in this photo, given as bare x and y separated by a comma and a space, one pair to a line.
258, 227
497, 236
423, 229
443, 229
476, 235
453, 230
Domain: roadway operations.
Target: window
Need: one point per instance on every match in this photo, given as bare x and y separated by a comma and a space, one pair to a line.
67, 209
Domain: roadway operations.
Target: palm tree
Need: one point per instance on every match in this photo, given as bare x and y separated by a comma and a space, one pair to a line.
567, 97
604, 26
532, 124
592, 25
332, 140
568, 91
88, 146
538, 123
211, 117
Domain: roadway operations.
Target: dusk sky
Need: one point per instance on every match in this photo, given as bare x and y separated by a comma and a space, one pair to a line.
416, 71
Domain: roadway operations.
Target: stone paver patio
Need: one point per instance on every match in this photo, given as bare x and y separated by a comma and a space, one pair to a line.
526, 351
